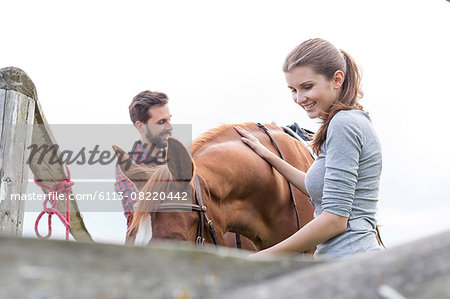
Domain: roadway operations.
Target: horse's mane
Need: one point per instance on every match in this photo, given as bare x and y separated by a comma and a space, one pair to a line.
158, 182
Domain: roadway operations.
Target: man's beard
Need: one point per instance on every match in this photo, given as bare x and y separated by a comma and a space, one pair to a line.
157, 140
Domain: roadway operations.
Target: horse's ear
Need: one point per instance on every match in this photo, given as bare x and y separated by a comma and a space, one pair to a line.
179, 160
135, 173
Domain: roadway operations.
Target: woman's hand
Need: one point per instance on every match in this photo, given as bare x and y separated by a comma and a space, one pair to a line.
253, 143
292, 174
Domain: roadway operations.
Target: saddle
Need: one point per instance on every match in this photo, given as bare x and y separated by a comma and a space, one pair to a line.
296, 131
303, 135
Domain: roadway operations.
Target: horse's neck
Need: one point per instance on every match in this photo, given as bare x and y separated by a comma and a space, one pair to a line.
236, 192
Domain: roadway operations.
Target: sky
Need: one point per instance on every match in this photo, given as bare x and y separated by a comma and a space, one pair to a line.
220, 62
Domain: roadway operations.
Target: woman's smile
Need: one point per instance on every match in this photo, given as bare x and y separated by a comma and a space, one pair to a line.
312, 91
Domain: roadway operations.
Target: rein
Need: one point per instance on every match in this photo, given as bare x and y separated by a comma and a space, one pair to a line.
291, 191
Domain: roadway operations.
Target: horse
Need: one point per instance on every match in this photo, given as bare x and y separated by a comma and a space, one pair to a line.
241, 192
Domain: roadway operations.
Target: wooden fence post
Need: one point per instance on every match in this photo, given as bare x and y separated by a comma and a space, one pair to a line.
16, 92
17, 104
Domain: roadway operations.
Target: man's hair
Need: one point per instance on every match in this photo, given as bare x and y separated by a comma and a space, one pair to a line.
142, 102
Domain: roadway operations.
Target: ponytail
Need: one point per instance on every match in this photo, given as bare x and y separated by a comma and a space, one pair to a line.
347, 100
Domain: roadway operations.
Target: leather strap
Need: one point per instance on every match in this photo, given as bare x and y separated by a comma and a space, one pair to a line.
203, 216
238, 241
200, 240
174, 206
291, 191
379, 237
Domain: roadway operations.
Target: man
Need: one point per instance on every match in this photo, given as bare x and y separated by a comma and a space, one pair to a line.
149, 112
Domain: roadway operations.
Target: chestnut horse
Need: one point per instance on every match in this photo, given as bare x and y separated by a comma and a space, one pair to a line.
242, 192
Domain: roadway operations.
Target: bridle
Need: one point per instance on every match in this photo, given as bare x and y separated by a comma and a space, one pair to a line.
203, 217
200, 207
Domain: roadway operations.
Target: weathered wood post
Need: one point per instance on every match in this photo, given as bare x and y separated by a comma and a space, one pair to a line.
17, 104
16, 91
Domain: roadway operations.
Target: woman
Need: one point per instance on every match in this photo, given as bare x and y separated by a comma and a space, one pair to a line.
343, 181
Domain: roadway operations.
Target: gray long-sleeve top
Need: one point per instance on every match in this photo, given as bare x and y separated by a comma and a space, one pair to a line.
344, 180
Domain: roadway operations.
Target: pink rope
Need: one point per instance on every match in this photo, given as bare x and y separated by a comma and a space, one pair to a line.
64, 187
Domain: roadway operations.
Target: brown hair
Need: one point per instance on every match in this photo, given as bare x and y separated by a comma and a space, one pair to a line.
325, 59
142, 102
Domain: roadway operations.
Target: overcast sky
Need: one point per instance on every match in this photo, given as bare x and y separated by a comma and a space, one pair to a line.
220, 62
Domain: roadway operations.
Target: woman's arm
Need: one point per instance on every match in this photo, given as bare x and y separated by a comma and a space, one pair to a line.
320, 229
293, 175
